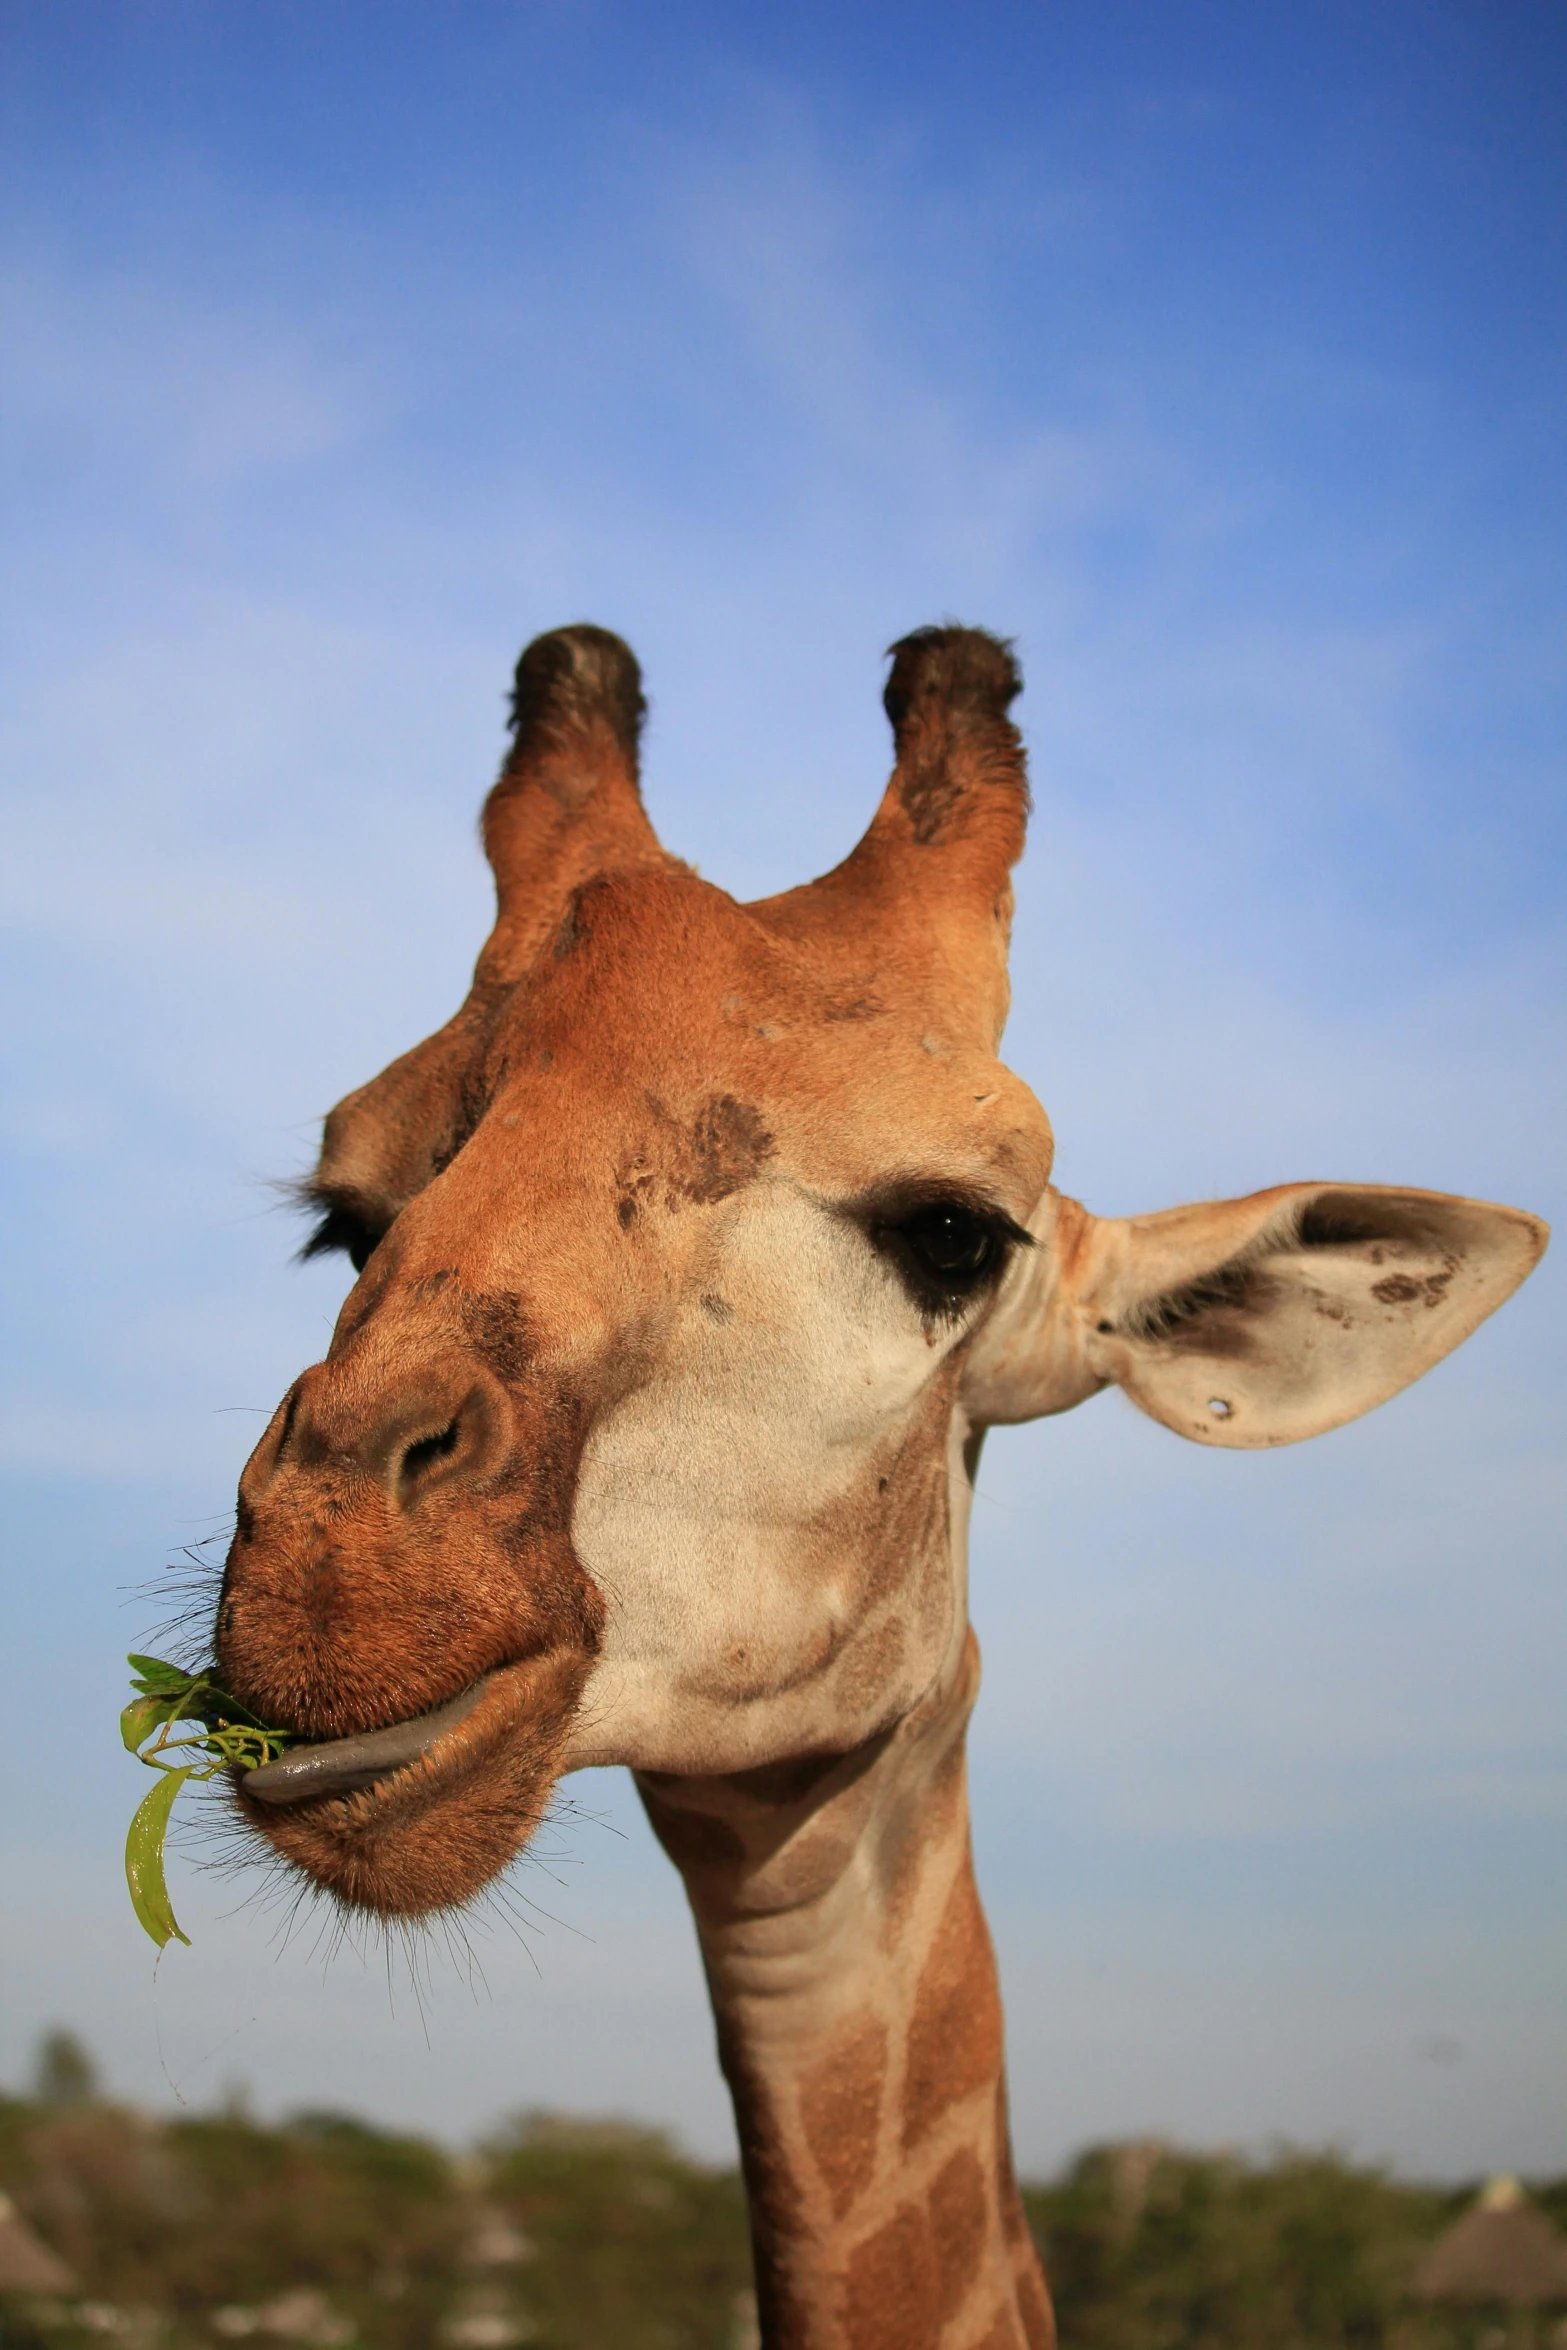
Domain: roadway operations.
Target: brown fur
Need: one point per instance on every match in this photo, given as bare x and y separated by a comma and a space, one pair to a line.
773, 2192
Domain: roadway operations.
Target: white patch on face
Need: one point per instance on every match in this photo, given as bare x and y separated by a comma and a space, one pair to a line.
727, 1507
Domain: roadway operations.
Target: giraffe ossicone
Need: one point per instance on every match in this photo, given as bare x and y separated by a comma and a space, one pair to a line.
695, 1256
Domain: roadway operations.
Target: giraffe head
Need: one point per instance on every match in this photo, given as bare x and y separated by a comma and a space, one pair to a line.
692, 1255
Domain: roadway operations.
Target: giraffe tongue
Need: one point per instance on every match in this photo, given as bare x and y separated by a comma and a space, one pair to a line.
341, 1764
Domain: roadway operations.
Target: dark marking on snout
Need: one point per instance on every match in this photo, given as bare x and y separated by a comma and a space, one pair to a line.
496, 1326
470, 1100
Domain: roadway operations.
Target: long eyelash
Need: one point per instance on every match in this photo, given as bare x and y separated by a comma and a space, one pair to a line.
341, 1229
338, 1229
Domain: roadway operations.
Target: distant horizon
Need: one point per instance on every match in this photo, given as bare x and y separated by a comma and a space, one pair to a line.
236, 2102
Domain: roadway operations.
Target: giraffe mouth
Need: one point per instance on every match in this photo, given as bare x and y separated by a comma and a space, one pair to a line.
341, 1766
417, 1818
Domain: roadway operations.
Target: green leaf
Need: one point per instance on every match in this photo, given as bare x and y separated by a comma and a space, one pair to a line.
144, 1859
193, 1697
158, 1679
139, 1720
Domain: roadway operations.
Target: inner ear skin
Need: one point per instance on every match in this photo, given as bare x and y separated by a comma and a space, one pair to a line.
1344, 1219
1193, 1315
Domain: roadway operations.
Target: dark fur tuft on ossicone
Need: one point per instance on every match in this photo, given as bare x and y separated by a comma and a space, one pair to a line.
960, 758
967, 669
571, 676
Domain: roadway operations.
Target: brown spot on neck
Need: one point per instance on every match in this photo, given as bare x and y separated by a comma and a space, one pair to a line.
955, 2033
840, 2109
958, 2204
889, 2296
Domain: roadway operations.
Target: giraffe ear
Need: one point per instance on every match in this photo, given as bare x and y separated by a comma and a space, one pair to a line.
928, 889
1248, 1322
566, 805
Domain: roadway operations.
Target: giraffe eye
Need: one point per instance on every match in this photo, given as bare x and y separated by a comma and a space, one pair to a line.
947, 1250
952, 1243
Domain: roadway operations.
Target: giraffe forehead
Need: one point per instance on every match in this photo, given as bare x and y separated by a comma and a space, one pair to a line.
719, 1114
666, 1036
671, 968
664, 1013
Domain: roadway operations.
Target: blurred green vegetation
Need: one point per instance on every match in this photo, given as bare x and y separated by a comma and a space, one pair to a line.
324, 2232
1148, 2248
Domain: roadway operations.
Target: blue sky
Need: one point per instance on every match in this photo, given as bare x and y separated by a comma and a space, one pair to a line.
1216, 354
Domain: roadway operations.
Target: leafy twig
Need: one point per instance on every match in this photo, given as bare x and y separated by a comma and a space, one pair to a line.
230, 1738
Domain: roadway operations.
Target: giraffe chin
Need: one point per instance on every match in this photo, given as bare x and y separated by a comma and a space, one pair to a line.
434, 1831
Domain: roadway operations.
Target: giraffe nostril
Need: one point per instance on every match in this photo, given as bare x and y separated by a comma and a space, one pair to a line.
424, 1459
448, 1424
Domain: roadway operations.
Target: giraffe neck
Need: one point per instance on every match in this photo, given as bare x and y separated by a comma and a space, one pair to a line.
859, 2028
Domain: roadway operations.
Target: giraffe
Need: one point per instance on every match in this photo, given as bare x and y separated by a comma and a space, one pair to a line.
695, 1256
